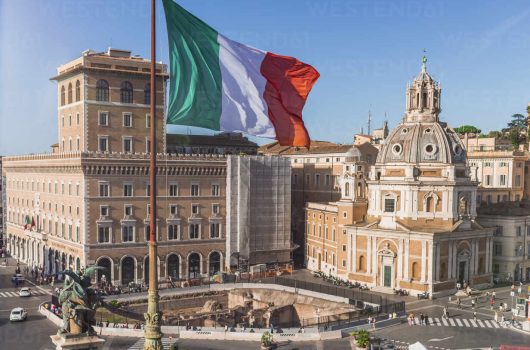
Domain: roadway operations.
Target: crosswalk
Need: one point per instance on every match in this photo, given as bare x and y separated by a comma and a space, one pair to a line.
6, 294
139, 345
462, 322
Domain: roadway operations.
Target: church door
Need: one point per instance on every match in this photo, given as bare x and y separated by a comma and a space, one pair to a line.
461, 271
387, 279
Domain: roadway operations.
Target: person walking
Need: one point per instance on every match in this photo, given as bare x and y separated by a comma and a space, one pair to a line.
475, 316
473, 303
426, 320
459, 303
374, 320
422, 319
493, 295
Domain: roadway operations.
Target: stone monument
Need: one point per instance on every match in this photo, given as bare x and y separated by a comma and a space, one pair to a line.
78, 303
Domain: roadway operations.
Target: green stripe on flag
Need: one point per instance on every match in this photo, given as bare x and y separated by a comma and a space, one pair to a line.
195, 75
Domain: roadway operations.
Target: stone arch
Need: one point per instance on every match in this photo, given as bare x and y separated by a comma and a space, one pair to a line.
430, 202
108, 265
214, 262
194, 262
362, 263
173, 266
127, 269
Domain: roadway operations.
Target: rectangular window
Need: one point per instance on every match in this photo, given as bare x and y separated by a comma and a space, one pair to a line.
487, 180
317, 179
344, 247
173, 190
327, 180
497, 249
104, 210
518, 231
214, 230
215, 209
103, 143
195, 209
307, 179
148, 190
104, 190
216, 190
343, 263
195, 190
104, 234
77, 116
148, 121
147, 231
128, 210
502, 180
173, 232
518, 180
77, 236
389, 205
127, 145
147, 146
127, 120
127, 233
104, 118
194, 231
127, 190
173, 209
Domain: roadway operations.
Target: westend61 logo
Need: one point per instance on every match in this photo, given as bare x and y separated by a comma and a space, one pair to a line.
377, 9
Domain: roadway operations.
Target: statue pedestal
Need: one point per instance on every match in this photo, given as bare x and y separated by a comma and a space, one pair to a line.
77, 342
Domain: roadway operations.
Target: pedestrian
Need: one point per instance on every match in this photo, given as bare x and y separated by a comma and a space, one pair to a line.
493, 294
374, 320
475, 316
473, 303
459, 303
226, 328
492, 302
426, 320
503, 320
422, 319
496, 317
513, 320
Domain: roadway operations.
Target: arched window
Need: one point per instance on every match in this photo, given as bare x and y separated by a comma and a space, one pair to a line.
147, 94
77, 91
63, 95
215, 263
429, 204
126, 92
127, 270
173, 263
102, 90
415, 270
70, 98
105, 264
347, 189
194, 266
362, 263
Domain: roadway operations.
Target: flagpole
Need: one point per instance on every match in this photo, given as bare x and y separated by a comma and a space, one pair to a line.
152, 332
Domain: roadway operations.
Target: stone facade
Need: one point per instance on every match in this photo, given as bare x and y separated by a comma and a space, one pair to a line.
84, 205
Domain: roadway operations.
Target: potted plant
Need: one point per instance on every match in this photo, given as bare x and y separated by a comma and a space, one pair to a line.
267, 341
361, 338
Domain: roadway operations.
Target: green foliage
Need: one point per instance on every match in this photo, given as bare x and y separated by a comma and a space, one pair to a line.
516, 138
496, 134
362, 338
115, 303
267, 339
465, 129
519, 122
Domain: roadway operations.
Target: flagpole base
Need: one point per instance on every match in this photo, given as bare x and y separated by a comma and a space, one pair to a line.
152, 330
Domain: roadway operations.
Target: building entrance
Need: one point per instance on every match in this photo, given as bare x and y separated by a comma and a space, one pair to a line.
387, 279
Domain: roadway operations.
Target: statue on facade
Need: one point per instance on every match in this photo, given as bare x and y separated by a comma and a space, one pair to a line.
78, 302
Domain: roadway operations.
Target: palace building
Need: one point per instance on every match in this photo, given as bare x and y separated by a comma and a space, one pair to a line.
420, 231
87, 202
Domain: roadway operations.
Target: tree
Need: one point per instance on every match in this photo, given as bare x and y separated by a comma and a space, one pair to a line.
519, 122
468, 129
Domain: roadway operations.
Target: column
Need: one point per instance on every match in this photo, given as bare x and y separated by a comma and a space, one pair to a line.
430, 250
374, 257
400, 260
455, 260
472, 260
437, 261
353, 252
488, 254
423, 258
368, 254
406, 262
450, 261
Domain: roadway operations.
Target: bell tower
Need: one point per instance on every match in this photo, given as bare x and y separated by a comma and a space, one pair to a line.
423, 98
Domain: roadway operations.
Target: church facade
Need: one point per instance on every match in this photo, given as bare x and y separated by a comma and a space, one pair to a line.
419, 232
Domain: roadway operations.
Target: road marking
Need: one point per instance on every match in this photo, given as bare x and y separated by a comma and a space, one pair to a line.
445, 322
3, 294
480, 323
495, 324
452, 322
458, 322
473, 323
465, 322
438, 321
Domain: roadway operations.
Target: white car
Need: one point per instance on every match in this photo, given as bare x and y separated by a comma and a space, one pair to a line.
24, 292
18, 314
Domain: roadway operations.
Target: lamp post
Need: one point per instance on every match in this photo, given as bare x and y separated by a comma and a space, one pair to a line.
152, 332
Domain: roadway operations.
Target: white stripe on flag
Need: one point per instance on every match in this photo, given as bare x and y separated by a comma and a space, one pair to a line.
243, 105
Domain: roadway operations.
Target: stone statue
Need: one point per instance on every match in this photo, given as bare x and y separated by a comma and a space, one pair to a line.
78, 302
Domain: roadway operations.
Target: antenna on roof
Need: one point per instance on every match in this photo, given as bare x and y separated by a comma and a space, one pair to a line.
369, 121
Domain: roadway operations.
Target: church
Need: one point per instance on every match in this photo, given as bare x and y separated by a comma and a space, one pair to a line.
420, 231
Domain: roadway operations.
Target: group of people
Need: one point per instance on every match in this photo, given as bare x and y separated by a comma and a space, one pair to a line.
107, 324
56, 310
424, 319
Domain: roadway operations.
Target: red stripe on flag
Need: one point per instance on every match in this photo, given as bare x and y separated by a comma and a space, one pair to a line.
289, 81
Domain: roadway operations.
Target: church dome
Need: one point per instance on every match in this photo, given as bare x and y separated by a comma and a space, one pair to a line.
423, 142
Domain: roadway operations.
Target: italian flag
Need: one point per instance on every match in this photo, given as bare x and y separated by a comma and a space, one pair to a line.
220, 84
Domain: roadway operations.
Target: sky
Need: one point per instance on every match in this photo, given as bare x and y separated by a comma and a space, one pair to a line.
365, 51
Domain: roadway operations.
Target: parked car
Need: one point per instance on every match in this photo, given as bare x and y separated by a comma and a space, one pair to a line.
18, 277
18, 314
24, 292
